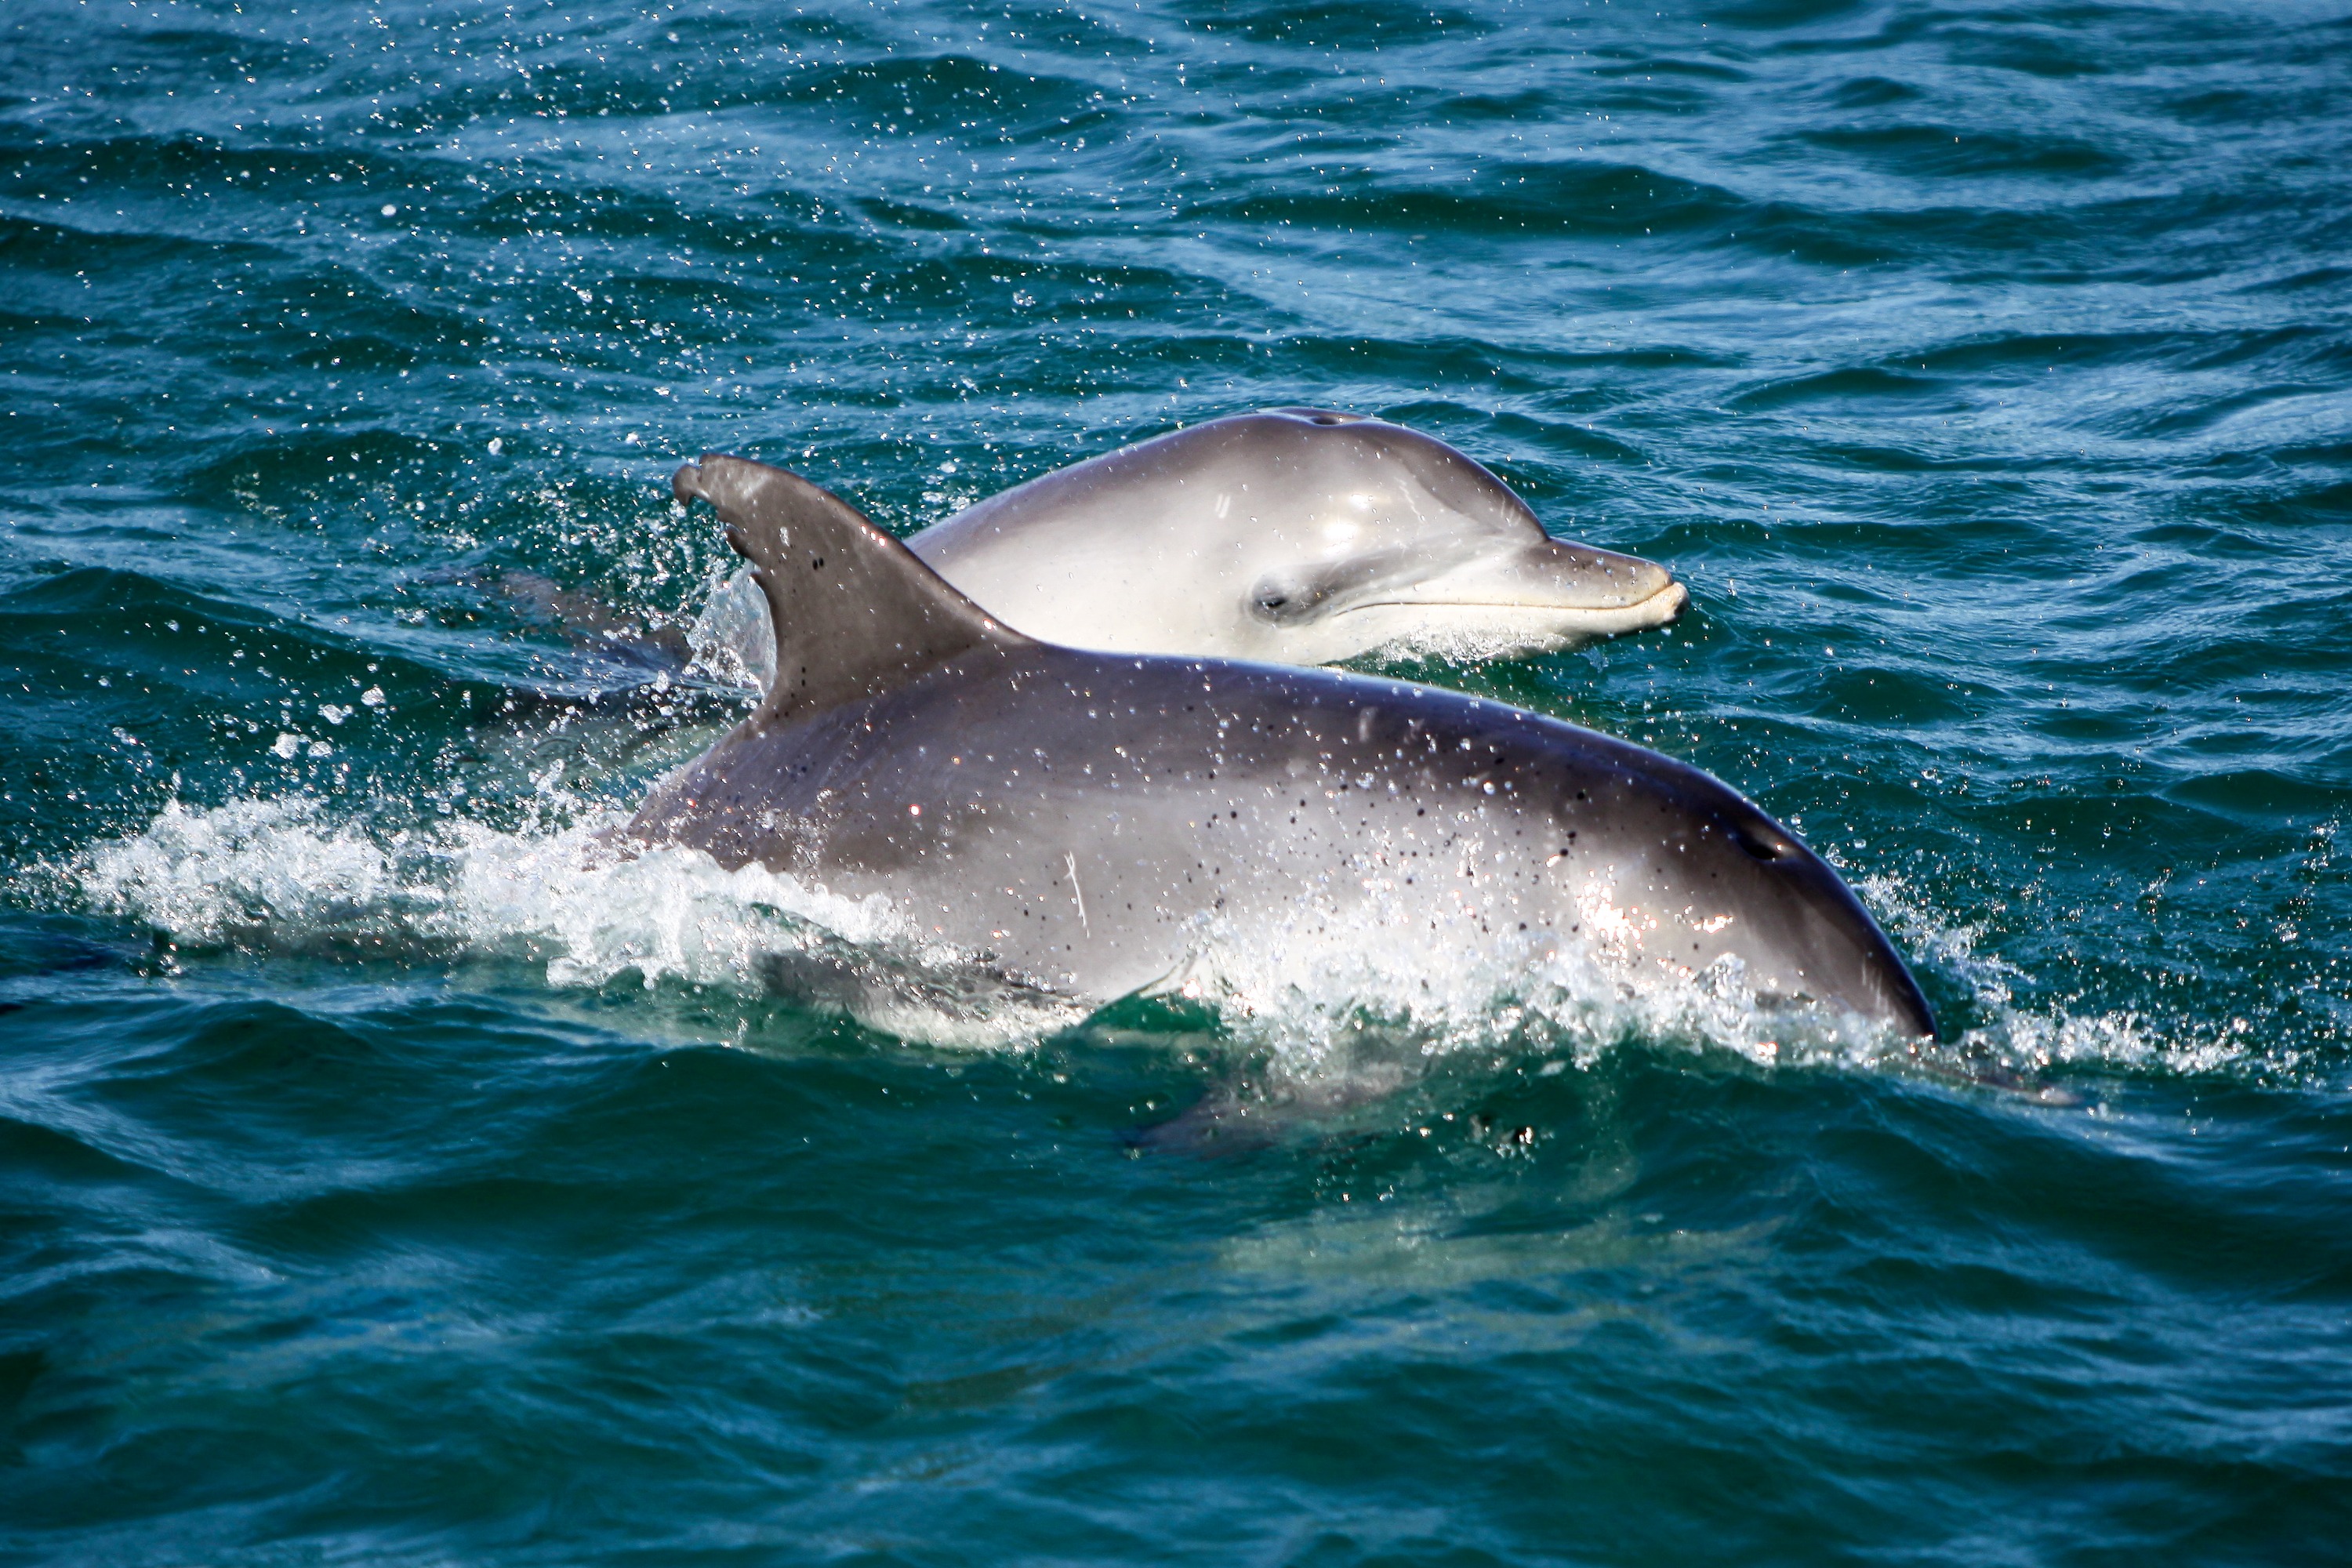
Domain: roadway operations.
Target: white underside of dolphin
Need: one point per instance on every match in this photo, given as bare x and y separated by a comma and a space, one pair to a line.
1292, 536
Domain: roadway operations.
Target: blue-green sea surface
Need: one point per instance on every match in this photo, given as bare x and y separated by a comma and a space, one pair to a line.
381, 1182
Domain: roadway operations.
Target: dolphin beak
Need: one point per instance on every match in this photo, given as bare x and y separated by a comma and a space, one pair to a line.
1579, 577
1560, 589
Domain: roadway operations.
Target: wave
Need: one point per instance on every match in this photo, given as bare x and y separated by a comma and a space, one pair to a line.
281, 873
1311, 998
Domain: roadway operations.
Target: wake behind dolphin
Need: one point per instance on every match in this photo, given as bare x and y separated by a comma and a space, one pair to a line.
1089, 826
1292, 535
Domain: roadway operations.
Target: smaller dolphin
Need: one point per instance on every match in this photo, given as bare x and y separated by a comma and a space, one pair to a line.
1290, 536
1091, 826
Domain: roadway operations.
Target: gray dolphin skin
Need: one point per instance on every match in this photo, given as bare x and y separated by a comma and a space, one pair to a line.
1295, 536
1095, 826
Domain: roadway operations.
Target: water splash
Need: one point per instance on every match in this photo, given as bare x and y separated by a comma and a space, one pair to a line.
1302, 988
733, 639
575, 898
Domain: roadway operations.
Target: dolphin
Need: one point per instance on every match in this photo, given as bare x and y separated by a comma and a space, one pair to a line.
1085, 826
1291, 535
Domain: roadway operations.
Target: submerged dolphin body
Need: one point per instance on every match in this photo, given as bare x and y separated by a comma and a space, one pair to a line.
1091, 825
1294, 536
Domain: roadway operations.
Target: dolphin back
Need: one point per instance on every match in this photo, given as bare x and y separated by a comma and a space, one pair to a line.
856, 613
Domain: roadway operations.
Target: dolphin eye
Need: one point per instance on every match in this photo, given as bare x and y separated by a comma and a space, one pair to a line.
1275, 601
1762, 843
1285, 600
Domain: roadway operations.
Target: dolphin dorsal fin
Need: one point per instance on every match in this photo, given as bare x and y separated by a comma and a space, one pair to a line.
855, 613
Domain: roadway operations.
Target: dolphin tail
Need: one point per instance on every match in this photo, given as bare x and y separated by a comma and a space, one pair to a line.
855, 613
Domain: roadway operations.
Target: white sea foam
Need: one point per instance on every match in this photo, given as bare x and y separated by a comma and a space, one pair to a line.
282, 874
1313, 988
2031, 1038
1318, 986
1315, 992
246, 867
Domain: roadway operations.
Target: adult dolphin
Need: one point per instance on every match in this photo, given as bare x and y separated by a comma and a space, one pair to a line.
1091, 825
1292, 536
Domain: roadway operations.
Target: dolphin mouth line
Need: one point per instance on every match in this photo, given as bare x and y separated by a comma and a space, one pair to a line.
1669, 599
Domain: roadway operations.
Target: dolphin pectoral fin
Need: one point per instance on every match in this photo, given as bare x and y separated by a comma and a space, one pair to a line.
1222, 1122
855, 613
1244, 1114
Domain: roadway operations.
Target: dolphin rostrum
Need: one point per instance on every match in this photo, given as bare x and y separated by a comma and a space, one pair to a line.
1293, 536
1089, 826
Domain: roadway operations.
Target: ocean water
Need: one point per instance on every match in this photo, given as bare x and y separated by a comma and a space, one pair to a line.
390, 1180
